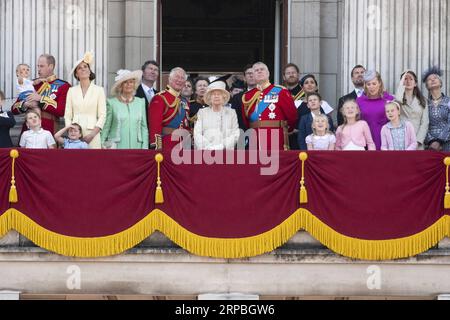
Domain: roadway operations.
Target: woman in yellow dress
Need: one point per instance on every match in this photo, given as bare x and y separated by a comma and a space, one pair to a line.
86, 103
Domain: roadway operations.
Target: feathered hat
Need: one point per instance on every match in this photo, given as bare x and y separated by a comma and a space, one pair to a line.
432, 70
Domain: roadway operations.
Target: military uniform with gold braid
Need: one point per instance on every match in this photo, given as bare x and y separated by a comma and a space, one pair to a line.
270, 109
297, 93
52, 104
194, 108
168, 112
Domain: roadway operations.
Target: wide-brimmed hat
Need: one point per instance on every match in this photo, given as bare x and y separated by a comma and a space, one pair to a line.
87, 58
216, 86
125, 75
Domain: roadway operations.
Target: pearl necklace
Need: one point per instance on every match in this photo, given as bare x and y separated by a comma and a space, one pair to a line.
126, 101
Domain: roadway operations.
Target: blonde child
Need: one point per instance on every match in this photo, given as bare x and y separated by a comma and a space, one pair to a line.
74, 137
354, 134
36, 137
397, 134
306, 122
24, 85
321, 138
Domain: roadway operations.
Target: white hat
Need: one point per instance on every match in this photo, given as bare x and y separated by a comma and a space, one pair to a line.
216, 86
87, 58
125, 75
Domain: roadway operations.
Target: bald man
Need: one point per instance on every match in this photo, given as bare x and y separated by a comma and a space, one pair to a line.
270, 110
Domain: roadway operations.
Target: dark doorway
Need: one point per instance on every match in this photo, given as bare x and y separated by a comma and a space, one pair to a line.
205, 36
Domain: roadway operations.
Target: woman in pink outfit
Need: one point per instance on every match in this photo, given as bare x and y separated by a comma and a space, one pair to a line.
354, 134
397, 134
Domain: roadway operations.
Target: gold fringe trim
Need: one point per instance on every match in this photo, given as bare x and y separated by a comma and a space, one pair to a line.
226, 248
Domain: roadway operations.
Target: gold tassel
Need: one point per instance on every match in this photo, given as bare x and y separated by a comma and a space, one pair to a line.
13, 197
447, 185
159, 197
303, 193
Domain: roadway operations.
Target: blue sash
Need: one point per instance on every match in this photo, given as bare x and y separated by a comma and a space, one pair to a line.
179, 117
262, 106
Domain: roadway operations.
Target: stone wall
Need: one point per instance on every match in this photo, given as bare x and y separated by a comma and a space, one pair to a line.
131, 35
315, 43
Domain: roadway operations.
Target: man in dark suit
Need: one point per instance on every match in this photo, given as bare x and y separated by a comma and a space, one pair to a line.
150, 74
7, 122
236, 101
291, 77
358, 81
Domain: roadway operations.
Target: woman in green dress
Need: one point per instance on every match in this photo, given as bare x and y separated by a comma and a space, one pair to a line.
126, 122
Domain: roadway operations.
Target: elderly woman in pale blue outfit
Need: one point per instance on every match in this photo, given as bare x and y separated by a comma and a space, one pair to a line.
438, 137
126, 121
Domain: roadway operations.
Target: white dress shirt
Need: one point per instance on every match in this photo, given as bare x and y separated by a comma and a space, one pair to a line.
149, 92
359, 92
41, 139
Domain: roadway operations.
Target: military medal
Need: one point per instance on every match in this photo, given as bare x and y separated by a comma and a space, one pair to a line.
272, 114
271, 99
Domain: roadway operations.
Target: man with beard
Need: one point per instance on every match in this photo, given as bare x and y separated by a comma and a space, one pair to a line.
291, 77
358, 81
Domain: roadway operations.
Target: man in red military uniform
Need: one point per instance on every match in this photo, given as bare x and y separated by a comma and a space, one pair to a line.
49, 98
168, 111
269, 109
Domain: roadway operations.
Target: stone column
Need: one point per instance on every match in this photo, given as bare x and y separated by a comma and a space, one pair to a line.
315, 42
131, 35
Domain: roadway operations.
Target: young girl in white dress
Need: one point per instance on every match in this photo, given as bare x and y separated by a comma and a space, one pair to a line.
322, 138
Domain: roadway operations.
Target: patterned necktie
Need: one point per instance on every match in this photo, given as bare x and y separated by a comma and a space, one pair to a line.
359, 92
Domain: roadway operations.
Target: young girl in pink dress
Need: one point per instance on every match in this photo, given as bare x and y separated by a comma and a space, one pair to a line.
354, 134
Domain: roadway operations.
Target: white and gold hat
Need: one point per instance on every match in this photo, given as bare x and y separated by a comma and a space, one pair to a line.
87, 58
216, 86
125, 75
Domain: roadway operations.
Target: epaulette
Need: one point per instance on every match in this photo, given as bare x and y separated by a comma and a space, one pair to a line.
60, 82
252, 99
247, 104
